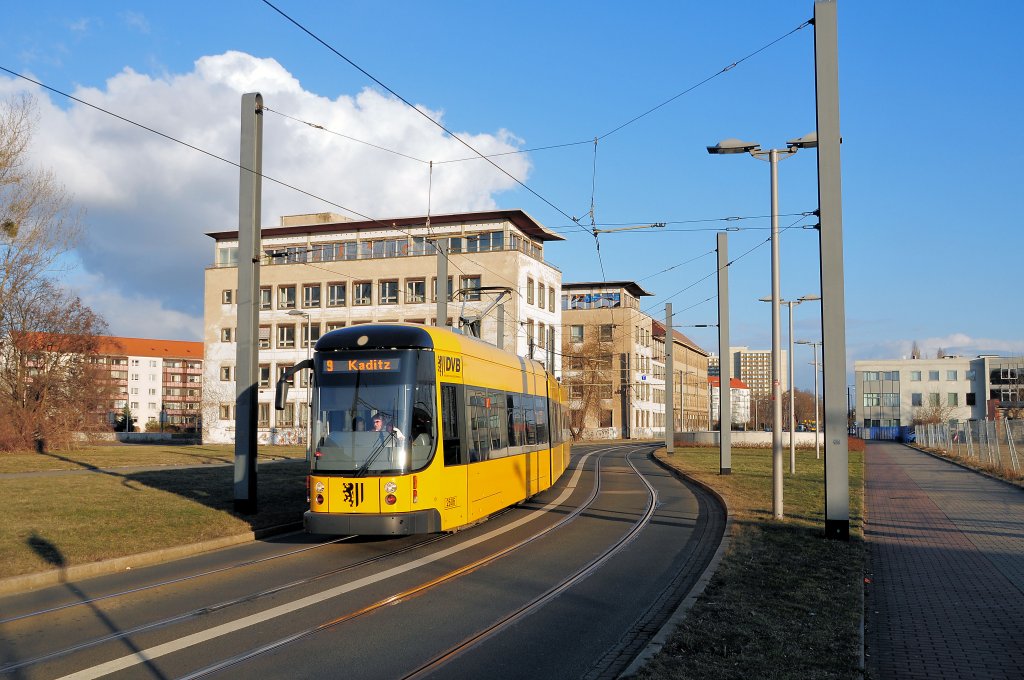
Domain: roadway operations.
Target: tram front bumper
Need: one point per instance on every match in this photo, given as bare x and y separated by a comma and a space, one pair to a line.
402, 524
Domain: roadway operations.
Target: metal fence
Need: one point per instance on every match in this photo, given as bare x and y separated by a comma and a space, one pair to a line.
989, 443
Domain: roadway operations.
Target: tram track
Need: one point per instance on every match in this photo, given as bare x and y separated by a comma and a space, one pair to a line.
507, 620
249, 598
199, 611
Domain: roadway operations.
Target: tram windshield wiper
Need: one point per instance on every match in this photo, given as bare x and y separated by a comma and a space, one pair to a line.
381, 445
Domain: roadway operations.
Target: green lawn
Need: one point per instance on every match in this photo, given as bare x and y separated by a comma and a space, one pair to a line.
784, 602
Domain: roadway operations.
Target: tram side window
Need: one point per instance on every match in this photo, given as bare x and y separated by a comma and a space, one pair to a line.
541, 407
499, 439
514, 426
450, 425
530, 412
479, 424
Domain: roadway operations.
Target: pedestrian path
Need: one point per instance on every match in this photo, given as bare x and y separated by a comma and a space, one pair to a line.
945, 590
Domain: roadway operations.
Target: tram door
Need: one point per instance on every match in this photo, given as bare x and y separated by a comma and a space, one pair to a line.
453, 502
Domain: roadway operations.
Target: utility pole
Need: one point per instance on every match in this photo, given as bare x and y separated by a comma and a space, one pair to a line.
724, 359
246, 352
670, 418
833, 303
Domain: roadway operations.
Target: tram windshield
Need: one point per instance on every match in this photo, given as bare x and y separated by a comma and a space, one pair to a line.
374, 412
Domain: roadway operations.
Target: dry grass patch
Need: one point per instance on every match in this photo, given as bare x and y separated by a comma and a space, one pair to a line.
64, 520
784, 602
128, 455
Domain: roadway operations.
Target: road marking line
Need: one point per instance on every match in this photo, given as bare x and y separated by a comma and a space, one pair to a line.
145, 655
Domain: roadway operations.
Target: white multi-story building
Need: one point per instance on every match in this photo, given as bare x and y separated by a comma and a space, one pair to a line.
893, 392
321, 272
155, 379
739, 400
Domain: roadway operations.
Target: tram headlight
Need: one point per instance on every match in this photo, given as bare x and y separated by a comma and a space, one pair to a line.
390, 487
319, 487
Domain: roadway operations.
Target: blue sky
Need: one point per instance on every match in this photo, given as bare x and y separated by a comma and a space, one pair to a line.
929, 96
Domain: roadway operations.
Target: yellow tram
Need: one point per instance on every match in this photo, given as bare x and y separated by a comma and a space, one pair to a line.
419, 429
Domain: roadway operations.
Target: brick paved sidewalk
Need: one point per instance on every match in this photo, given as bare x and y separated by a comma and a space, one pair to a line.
945, 597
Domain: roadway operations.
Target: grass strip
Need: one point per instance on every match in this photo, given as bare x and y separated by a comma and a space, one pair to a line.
55, 521
784, 602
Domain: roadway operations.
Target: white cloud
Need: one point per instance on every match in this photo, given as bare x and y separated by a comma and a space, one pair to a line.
150, 201
132, 314
136, 20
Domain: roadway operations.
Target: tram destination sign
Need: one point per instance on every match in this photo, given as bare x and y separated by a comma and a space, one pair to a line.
391, 365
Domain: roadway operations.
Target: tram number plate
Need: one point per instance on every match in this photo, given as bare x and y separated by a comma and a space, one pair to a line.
449, 502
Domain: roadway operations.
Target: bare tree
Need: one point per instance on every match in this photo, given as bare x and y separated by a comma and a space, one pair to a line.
586, 375
49, 384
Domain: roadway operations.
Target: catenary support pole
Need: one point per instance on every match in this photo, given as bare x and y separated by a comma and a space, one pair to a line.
724, 359
670, 391
441, 287
247, 325
833, 304
777, 510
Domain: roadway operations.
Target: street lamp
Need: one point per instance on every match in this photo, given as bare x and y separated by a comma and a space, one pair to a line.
732, 146
309, 347
792, 410
817, 427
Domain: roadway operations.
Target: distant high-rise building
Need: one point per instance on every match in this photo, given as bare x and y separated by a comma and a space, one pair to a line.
754, 368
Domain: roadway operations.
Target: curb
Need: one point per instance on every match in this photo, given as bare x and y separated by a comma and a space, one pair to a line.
679, 615
43, 579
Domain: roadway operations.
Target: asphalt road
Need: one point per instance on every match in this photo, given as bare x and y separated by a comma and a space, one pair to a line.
571, 584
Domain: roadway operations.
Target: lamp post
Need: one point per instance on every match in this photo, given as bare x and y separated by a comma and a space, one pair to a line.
792, 411
732, 146
817, 425
309, 347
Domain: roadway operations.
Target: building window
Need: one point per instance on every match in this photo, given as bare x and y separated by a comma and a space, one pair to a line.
227, 372
334, 325
529, 333
542, 339
541, 295
604, 390
870, 375
307, 330
872, 399
952, 399
529, 290
286, 297
266, 297
915, 376
415, 291
933, 375
263, 414
433, 289
551, 299
576, 333
227, 297
285, 337
264, 376
227, 411
388, 293
916, 400
950, 375
606, 333
311, 295
890, 399
227, 335
933, 398
470, 287
264, 339
970, 399
336, 295
362, 293
286, 417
